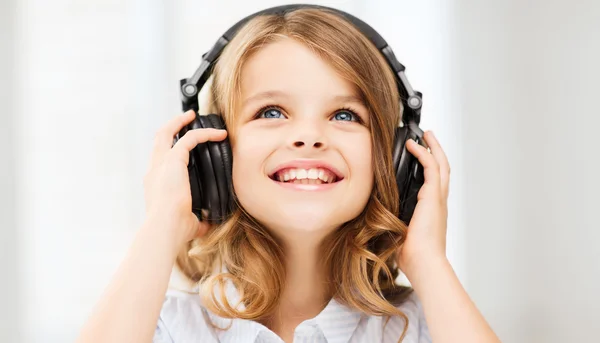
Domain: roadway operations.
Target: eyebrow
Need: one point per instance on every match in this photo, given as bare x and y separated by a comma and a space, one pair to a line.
275, 94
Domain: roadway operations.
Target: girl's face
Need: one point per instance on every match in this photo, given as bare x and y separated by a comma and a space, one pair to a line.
302, 147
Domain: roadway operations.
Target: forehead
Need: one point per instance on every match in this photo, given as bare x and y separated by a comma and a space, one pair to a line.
291, 67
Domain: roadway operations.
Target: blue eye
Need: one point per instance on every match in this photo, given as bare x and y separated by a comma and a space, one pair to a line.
269, 113
346, 115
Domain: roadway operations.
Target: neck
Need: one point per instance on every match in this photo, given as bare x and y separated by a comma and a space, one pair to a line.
306, 292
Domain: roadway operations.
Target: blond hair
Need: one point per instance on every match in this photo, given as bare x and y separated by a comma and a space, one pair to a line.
361, 254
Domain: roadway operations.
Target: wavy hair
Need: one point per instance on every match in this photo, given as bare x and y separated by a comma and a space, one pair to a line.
360, 255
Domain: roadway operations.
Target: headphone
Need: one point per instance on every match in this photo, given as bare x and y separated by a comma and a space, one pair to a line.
210, 163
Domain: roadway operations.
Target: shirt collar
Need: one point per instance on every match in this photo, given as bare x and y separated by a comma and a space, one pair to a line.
337, 321
234, 329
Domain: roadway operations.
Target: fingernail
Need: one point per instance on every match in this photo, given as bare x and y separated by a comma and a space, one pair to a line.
204, 213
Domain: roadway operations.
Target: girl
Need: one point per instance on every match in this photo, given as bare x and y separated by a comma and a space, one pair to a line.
314, 246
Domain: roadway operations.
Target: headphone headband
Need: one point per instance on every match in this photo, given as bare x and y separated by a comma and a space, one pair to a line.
411, 99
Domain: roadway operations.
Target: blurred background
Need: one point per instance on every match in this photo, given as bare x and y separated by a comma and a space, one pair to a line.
509, 88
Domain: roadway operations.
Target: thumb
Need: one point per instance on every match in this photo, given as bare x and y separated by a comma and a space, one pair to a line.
201, 227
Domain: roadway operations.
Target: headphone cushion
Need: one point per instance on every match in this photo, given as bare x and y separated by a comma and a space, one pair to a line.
399, 142
206, 175
222, 156
196, 177
409, 172
213, 168
227, 160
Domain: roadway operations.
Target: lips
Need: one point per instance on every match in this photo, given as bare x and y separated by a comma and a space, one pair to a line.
306, 172
305, 176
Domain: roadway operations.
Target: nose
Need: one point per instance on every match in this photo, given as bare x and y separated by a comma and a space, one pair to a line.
308, 134
300, 143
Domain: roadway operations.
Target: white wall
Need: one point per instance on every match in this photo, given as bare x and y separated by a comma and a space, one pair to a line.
91, 81
75, 182
528, 91
8, 230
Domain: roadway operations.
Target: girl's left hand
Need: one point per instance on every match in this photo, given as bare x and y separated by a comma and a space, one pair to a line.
426, 236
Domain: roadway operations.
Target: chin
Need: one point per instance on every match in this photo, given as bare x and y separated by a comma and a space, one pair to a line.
292, 213
315, 220
308, 220
307, 217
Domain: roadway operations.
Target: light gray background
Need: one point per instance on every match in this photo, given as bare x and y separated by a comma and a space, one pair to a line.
510, 90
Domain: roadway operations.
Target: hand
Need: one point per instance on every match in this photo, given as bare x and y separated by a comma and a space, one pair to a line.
426, 236
167, 186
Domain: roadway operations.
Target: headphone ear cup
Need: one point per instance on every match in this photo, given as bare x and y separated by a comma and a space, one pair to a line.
399, 141
209, 170
409, 172
194, 170
222, 162
196, 189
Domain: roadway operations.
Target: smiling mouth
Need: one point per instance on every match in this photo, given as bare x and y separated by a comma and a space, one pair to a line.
312, 176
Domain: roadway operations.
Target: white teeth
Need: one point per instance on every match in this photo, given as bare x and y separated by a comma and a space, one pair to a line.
305, 176
301, 174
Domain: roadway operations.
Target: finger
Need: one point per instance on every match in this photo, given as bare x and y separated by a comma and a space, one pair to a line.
431, 169
440, 156
163, 141
204, 225
192, 138
203, 228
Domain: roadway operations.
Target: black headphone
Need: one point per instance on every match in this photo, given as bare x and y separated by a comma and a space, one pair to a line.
210, 163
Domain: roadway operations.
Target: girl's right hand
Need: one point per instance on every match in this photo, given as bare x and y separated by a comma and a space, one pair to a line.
167, 186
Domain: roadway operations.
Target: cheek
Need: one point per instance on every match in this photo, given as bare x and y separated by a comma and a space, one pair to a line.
354, 198
363, 165
360, 160
249, 153
244, 177
246, 160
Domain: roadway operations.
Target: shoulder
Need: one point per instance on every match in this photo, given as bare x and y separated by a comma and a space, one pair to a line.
417, 330
182, 319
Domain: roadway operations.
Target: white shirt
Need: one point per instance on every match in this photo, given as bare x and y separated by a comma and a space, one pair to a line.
183, 319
